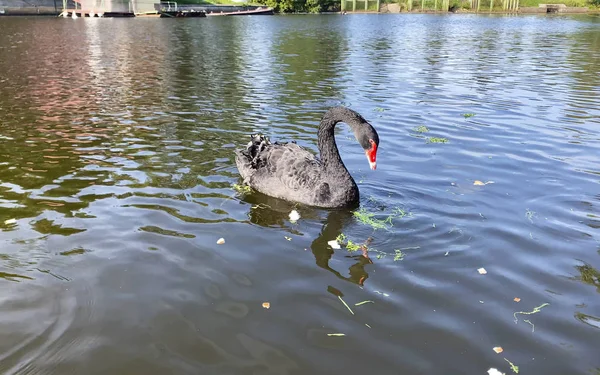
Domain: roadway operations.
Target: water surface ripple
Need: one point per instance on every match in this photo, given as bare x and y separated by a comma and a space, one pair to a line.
116, 174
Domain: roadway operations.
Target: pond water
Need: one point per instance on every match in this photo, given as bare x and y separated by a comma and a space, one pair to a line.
116, 173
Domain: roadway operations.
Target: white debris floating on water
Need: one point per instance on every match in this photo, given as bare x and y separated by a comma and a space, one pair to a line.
294, 216
334, 244
220, 241
482, 271
493, 371
10, 221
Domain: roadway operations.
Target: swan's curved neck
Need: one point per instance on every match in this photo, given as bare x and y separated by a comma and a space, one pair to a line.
330, 155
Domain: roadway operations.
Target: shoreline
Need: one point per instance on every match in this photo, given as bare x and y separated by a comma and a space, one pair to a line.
51, 11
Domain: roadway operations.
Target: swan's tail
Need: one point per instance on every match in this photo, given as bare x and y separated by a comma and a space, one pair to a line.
247, 158
258, 143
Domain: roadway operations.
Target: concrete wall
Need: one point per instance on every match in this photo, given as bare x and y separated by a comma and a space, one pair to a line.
17, 7
47, 7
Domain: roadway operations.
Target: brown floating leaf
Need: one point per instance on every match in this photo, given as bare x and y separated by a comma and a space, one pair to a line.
517, 299
266, 305
498, 349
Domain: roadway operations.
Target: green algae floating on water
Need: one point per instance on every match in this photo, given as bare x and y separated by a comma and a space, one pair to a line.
534, 311
242, 189
368, 218
398, 255
512, 366
437, 140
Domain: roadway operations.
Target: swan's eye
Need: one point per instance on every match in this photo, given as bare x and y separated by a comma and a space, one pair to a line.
372, 154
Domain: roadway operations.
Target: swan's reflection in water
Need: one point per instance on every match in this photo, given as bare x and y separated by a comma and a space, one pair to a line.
272, 212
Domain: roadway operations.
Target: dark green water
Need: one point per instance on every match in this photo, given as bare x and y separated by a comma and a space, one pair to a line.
116, 162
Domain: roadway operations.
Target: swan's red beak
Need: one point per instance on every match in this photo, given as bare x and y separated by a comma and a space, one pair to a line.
372, 155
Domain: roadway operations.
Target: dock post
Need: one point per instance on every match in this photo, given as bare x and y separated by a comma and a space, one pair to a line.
366, 5
354, 5
378, 5
491, 5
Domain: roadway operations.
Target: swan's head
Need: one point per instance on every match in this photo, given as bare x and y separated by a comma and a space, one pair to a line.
365, 134
369, 140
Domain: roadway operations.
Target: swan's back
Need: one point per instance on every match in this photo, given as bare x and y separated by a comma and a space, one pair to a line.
287, 171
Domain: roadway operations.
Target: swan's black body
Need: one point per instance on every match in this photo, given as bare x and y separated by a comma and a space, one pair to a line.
290, 172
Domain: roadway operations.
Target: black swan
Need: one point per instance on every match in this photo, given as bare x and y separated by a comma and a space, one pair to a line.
290, 172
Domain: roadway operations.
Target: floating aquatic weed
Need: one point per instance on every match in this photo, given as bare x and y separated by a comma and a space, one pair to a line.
242, 189
467, 115
379, 109
534, 311
368, 218
512, 366
421, 129
400, 213
437, 140
362, 303
351, 246
380, 254
398, 255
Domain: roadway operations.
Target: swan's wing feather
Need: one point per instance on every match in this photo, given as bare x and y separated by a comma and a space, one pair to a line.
291, 165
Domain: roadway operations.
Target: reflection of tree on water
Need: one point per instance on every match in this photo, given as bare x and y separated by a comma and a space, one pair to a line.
272, 212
